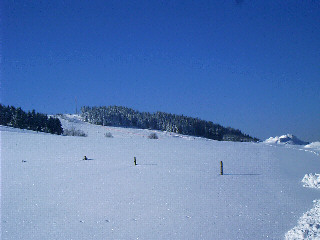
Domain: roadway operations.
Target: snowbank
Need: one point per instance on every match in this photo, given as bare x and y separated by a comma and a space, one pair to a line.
311, 181
308, 225
285, 139
314, 145
313, 148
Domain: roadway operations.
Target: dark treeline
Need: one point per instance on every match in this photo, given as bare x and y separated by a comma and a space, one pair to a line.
126, 117
16, 117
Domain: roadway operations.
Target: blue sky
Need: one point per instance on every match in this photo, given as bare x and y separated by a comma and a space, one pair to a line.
251, 65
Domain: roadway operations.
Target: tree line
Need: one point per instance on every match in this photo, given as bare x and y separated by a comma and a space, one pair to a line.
127, 117
17, 118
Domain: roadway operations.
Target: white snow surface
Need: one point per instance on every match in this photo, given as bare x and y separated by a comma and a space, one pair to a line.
285, 139
313, 147
308, 225
175, 191
311, 180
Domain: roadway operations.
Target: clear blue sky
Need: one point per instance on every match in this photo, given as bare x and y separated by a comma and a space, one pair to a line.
251, 65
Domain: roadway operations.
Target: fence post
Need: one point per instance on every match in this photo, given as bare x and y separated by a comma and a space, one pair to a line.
135, 161
221, 168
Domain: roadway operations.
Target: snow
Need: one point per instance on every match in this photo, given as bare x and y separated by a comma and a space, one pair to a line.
285, 139
313, 147
175, 191
11, 129
311, 180
308, 225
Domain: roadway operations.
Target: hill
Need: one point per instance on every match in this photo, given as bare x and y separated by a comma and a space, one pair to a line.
127, 117
175, 191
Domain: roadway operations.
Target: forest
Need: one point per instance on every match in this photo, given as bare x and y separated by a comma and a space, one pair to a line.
17, 118
127, 117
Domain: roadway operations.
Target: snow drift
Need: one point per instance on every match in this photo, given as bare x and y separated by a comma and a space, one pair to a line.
311, 180
313, 145
308, 225
285, 139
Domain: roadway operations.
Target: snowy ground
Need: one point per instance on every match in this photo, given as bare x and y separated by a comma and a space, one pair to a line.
311, 180
175, 191
309, 224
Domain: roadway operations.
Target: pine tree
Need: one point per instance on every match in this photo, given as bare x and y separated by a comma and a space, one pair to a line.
16, 117
126, 117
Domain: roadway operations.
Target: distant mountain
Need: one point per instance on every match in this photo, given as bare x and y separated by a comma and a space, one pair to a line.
127, 117
286, 139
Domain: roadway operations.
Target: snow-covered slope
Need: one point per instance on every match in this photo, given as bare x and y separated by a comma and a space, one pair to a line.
175, 191
285, 139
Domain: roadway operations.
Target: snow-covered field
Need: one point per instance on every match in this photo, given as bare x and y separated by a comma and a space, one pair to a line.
175, 191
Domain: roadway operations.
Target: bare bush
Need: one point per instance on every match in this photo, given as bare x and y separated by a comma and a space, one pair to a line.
108, 135
74, 132
153, 136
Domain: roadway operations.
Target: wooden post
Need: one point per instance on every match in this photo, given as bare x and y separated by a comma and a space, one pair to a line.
135, 161
221, 168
